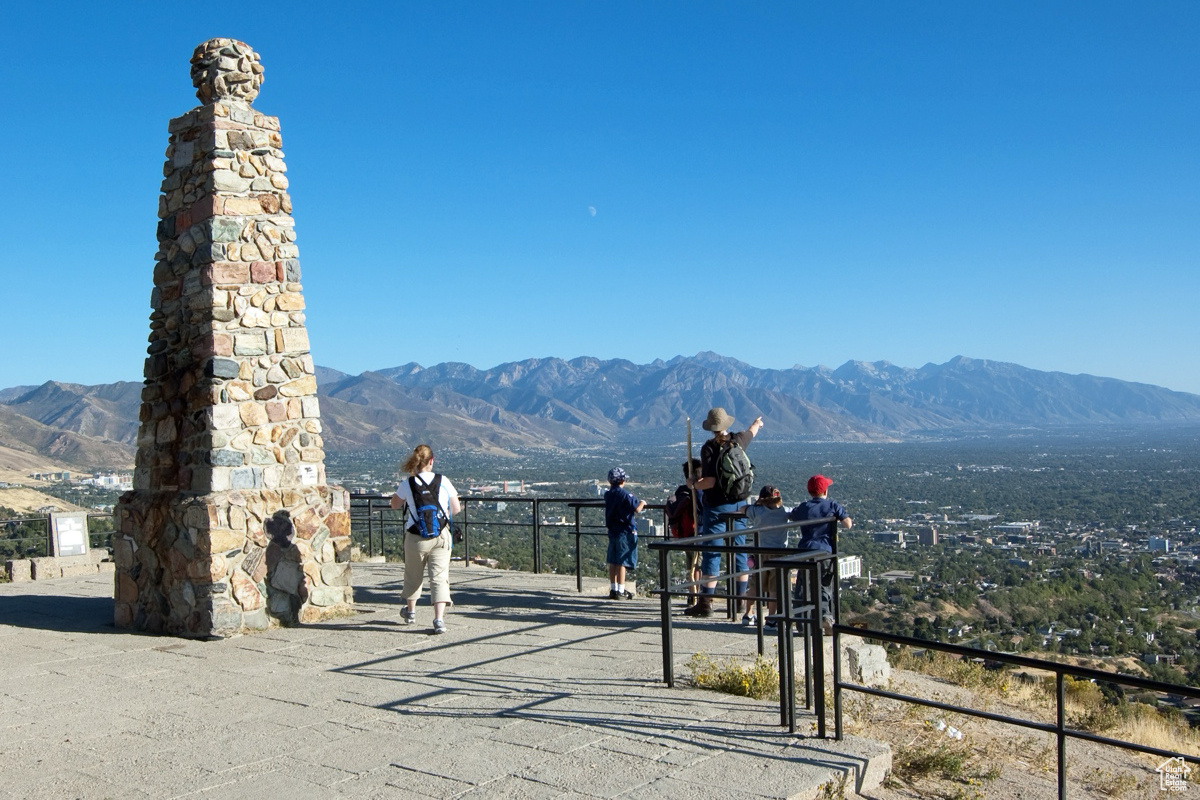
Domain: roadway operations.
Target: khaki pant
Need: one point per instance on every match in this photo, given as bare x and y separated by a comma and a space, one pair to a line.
430, 556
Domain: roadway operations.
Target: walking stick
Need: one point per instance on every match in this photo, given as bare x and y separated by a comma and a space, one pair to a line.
693, 591
691, 473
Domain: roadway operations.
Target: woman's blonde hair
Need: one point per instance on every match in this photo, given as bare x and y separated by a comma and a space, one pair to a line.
418, 460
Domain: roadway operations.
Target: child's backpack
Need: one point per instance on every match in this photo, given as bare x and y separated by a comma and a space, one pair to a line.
735, 473
426, 510
680, 519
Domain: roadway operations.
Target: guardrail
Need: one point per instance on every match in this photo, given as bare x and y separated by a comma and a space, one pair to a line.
375, 524
37, 543
808, 560
800, 611
1059, 728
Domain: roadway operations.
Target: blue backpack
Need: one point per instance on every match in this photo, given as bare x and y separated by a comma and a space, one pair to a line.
426, 509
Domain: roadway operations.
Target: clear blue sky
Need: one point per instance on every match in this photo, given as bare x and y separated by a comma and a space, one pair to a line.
784, 183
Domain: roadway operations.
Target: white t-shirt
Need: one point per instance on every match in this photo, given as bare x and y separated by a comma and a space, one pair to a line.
445, 492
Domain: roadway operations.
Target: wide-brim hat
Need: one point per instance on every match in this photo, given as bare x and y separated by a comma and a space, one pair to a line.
717, 421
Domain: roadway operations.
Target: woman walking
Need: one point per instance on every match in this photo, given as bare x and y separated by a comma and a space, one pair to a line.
429, 501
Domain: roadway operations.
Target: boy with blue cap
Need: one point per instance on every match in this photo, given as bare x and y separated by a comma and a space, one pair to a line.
620, 506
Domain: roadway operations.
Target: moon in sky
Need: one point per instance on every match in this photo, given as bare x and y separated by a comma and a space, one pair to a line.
592, 210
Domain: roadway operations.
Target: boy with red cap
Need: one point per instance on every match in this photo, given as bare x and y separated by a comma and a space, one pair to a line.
821, 537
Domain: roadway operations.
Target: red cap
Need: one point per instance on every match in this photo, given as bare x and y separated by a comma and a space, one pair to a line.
818, 485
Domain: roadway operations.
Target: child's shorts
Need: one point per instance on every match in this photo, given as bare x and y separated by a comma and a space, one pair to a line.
622, 550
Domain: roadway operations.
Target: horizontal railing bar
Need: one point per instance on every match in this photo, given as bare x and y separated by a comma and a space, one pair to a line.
1025, 661
1048, 727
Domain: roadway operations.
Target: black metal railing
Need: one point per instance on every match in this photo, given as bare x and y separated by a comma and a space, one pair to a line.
667, 589
1059, 727
379, 530
801, 611
35, 541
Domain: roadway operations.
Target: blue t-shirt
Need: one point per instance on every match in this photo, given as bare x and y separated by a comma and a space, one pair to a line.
817, 537
619, 508
762, 517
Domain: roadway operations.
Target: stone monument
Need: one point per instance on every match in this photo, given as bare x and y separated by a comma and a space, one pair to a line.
230, 525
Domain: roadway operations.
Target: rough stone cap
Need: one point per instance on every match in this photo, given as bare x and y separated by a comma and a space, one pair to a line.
226, 69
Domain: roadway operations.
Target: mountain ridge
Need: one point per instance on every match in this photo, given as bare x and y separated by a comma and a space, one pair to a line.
586, 401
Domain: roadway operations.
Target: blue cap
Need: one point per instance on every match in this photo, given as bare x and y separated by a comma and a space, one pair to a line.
616, 475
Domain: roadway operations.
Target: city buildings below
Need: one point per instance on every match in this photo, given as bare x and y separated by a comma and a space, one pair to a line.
122, 483
51, 477
849, 567
501, 487
889, 537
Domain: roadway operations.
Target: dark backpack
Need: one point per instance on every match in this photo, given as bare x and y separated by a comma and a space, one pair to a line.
735, 473
426, 510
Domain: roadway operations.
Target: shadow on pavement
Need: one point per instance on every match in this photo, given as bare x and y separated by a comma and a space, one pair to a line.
59, 613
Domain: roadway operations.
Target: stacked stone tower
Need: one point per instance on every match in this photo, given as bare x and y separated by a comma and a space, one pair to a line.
230, 523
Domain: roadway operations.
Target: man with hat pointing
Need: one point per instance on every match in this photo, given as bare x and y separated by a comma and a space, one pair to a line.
716, 501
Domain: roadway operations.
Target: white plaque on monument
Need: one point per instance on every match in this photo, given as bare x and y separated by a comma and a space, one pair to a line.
308, 475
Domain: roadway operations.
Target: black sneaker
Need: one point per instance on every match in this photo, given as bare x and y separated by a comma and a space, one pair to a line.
628, 595
613, 594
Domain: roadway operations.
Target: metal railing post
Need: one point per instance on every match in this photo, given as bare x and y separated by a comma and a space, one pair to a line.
836, 611
461, 527
371, 528
664, 581
1061, 726
537, 537
731, 582
787, 659
818, 650
578, 554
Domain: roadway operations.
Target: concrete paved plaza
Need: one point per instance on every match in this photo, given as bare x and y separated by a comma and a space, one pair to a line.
535, 691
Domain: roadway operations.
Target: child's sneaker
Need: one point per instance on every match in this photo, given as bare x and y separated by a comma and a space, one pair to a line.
409, 617
749, 619
627, 595
439, 626
613, 594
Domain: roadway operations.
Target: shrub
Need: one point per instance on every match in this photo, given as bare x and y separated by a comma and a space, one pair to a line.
759, 680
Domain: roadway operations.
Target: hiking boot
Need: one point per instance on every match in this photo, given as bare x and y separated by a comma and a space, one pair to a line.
439, 626
408, 617
703, 608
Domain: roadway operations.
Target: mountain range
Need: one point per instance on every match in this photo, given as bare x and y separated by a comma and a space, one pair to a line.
557, 403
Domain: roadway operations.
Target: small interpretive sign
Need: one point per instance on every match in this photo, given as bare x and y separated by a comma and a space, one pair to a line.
69, 533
